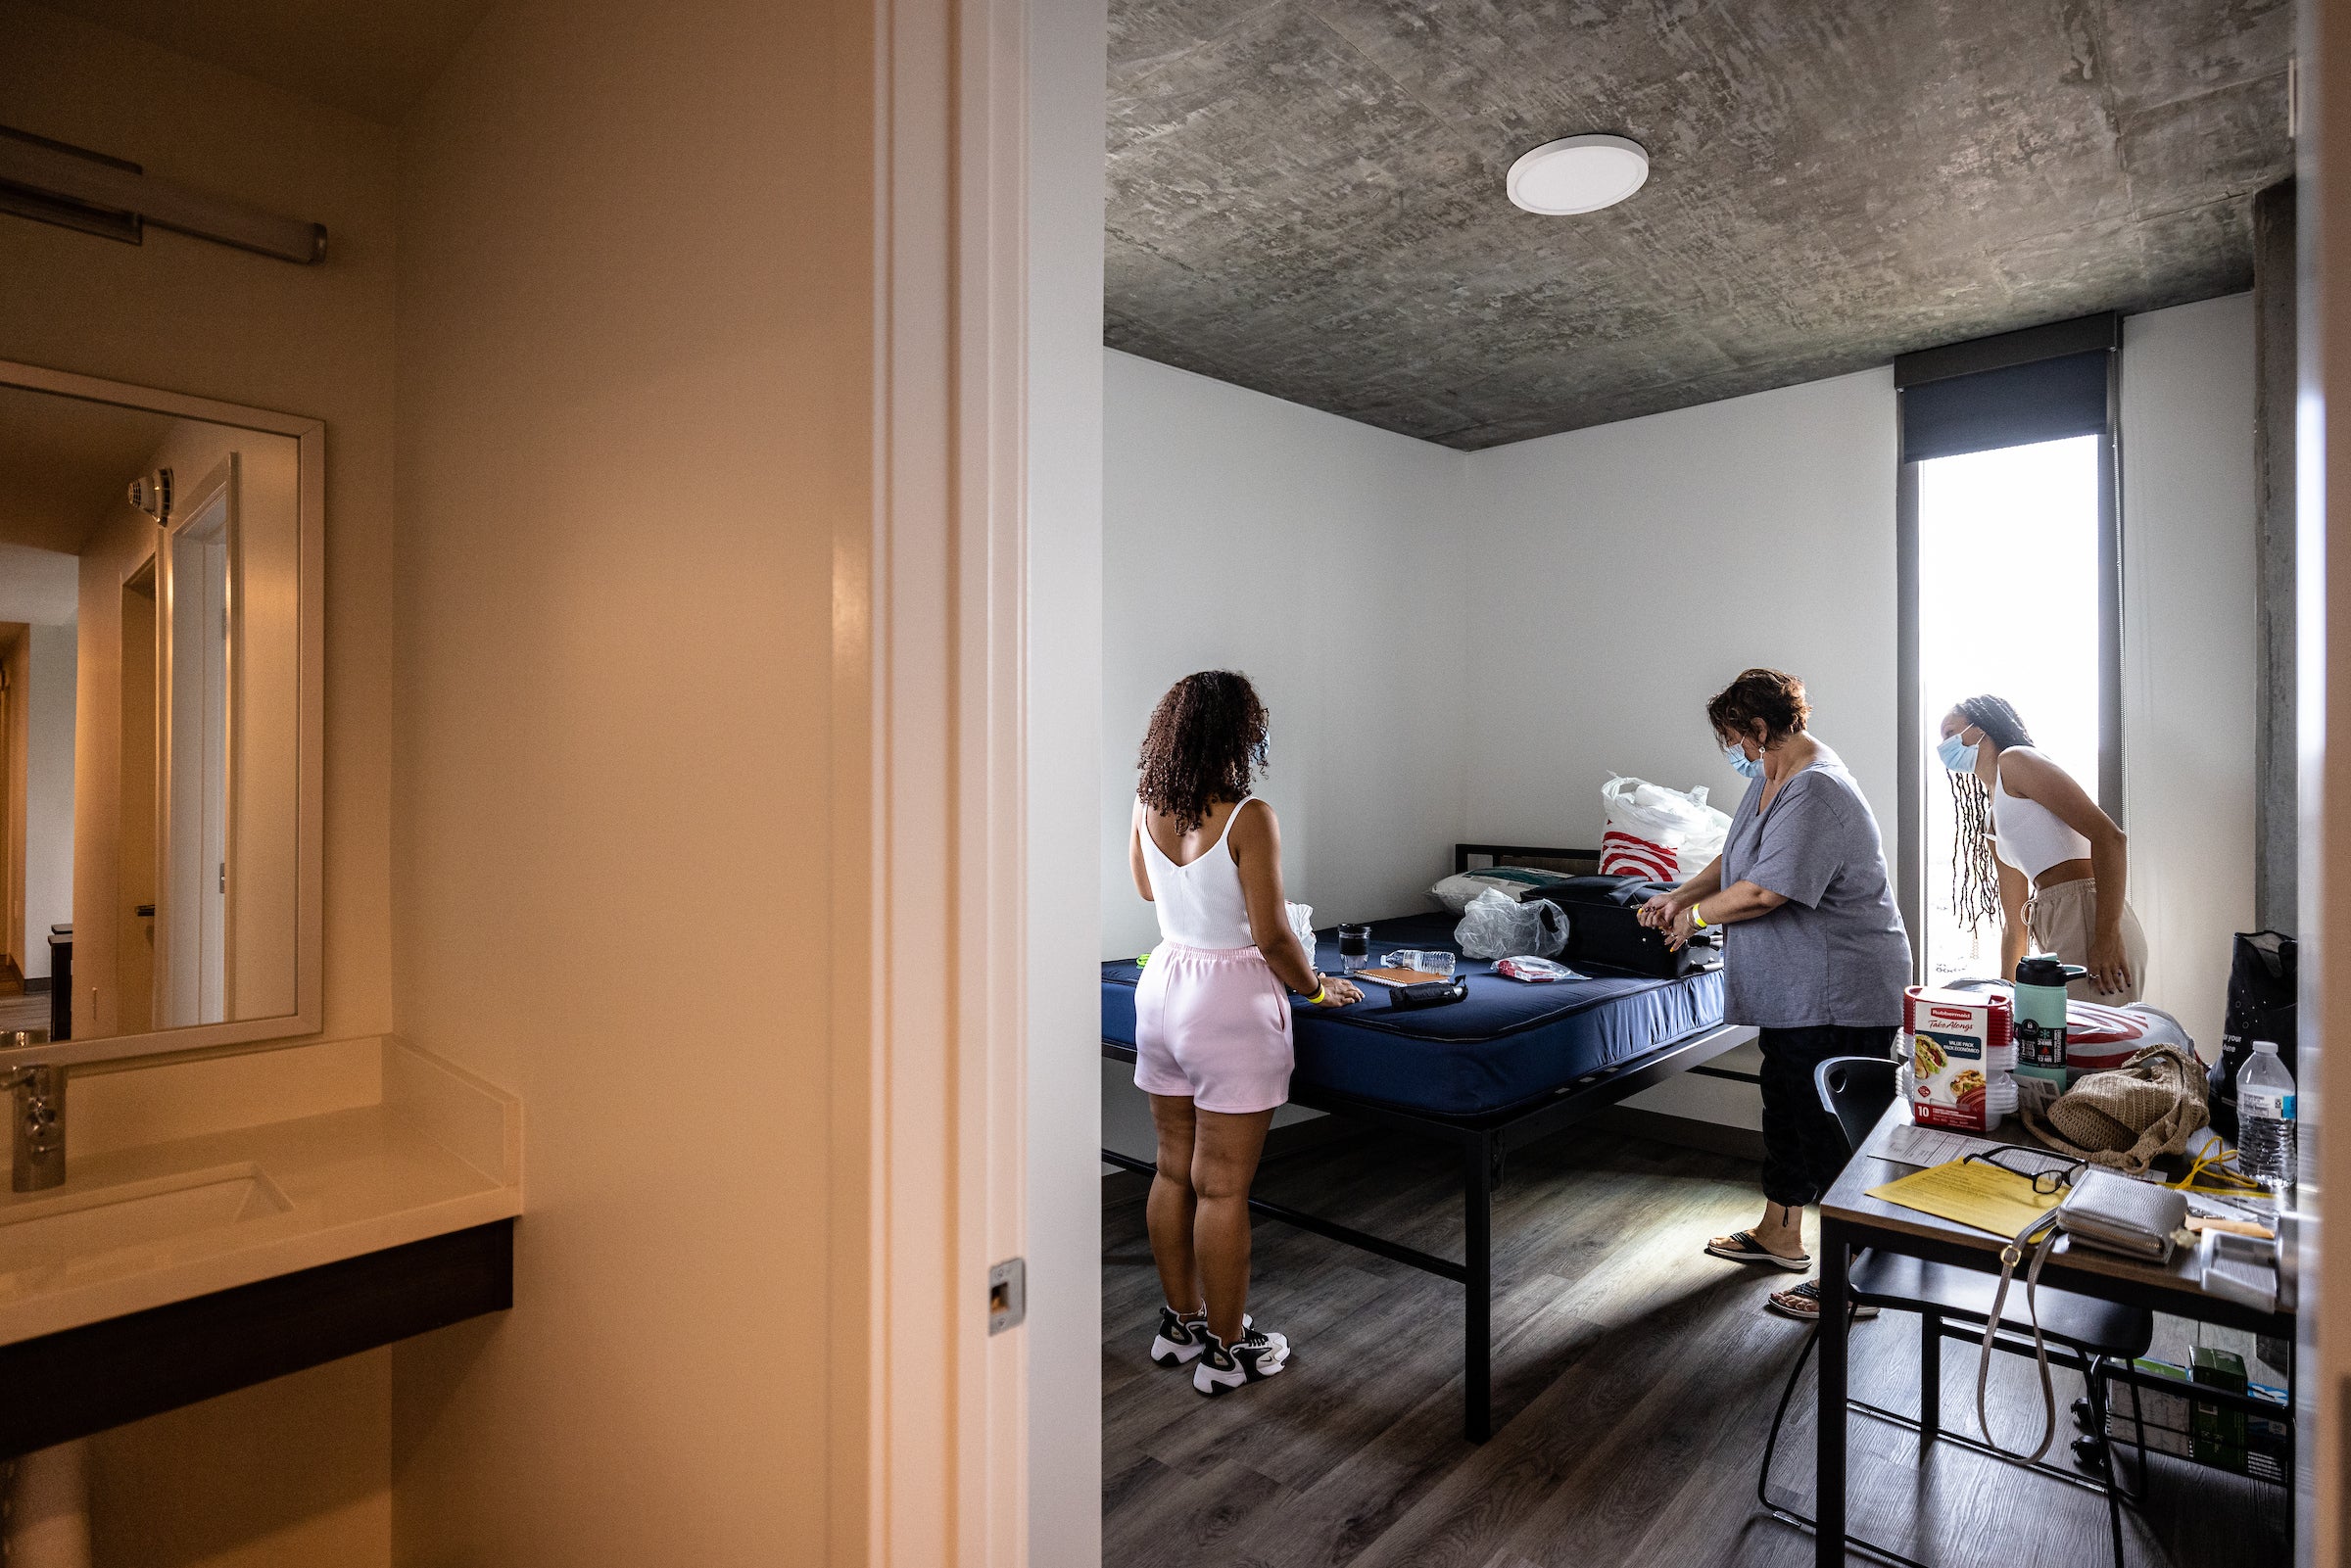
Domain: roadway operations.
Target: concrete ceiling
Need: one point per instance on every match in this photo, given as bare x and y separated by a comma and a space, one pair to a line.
1306, 196
372, 58
63, 463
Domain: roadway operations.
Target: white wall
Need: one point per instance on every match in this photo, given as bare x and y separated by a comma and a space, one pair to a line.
1611, 579
40, 586
1322, 559
1067, 41
1634, 568
2189, 645
48, 792
1628, 571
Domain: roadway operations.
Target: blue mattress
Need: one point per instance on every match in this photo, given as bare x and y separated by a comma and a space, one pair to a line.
1508, 1043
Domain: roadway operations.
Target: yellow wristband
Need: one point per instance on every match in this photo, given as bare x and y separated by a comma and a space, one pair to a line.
1695, 919
1316, 1000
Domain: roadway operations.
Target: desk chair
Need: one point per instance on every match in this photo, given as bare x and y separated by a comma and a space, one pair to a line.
2080, 1331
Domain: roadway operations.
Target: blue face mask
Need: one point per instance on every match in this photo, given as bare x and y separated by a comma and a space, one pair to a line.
1956, 754
1745, 766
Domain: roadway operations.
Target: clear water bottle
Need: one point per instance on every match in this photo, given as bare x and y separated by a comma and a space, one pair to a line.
2264, 1117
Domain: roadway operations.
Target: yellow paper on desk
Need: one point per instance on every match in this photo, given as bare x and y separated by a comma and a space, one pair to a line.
1972, 1193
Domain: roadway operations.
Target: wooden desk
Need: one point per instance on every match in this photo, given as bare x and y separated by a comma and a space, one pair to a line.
1850, 1221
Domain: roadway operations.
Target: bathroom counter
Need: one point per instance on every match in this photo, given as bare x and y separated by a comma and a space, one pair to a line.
352, 1182
168, 1273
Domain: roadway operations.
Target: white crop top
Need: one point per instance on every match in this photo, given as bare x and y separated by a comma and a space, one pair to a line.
1199, 905
2028, 834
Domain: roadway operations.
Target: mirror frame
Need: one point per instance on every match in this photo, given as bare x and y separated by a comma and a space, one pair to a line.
310, 883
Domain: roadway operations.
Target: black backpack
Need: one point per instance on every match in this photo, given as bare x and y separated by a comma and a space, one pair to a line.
2260, 1007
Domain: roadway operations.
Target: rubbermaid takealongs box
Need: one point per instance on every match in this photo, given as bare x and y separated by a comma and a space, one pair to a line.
1962, 1053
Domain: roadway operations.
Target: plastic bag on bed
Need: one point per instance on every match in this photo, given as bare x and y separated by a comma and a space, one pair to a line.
1494, 924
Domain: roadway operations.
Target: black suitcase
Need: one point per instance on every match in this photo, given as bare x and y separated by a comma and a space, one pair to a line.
1604, 933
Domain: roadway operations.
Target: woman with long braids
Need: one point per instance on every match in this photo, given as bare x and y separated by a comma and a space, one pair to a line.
2037, 852
1212, 1016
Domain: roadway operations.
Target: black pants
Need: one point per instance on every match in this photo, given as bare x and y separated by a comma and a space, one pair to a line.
1803, 1147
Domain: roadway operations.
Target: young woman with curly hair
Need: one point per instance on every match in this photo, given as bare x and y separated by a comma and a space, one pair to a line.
1814, 953
1212, 1016
2037, 852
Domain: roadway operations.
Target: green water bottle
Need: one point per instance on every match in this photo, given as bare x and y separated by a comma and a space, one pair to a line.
2041, 1018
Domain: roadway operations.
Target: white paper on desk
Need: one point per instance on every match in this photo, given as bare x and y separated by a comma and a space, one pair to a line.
1939, 1146
1930, 1146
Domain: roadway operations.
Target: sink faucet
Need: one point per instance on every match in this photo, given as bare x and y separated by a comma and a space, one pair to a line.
37, 1123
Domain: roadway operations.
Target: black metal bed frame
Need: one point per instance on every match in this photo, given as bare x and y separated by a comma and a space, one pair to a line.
1482, 1142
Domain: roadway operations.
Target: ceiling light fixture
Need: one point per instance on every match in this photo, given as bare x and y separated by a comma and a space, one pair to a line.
1578, 174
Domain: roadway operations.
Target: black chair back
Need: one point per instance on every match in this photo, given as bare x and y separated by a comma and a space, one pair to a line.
1855, 1090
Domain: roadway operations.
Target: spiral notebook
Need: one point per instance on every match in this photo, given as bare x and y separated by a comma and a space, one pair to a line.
1395, 977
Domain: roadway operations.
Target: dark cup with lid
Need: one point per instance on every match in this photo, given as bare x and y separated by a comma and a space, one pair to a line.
2043, 970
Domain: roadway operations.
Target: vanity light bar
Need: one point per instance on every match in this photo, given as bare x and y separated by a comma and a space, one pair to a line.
55, 183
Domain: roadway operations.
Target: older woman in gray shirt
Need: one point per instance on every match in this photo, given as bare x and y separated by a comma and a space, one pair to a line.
1814, 953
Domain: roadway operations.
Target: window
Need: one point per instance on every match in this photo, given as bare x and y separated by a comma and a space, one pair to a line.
2010, 568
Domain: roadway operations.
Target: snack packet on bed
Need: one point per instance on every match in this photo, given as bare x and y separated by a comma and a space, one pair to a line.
1527, 966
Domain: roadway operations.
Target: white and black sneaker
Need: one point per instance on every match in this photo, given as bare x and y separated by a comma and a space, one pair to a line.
1178, 1338
1254, 1358
1181, 1339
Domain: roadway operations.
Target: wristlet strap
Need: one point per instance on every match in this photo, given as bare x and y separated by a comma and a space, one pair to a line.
2010, 1255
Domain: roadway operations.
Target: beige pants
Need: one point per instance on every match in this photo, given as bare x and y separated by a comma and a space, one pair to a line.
2063, 919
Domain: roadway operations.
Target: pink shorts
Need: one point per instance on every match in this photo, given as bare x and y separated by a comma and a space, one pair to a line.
1213, 1025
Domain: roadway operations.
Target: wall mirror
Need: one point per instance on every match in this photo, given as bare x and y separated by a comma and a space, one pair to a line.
161, 660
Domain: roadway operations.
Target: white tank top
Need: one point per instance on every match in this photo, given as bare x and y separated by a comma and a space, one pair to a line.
1199, 905
2029, 836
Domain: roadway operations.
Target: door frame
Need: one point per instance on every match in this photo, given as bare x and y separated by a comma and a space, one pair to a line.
930, 843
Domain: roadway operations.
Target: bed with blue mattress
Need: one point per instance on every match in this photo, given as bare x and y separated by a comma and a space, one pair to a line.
1509, 1044
1511, 1063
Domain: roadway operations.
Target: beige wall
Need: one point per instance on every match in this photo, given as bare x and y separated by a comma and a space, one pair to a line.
18, 706
189, 316
114, 856
635, 257
199, 318
169, 1492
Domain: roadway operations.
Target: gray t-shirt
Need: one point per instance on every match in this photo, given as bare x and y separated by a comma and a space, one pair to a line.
1835, 953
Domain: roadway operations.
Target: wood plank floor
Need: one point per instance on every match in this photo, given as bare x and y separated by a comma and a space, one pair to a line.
22, 1012
1634, 1381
